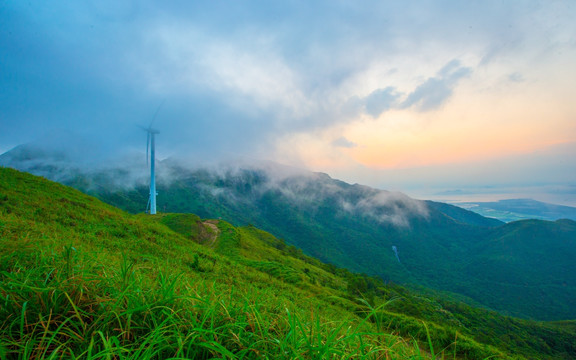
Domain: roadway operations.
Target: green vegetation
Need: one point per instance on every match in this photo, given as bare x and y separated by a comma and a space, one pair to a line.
81, 279
450, 249
84, 280
441, 246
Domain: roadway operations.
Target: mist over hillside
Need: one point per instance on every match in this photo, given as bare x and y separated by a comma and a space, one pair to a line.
377, 232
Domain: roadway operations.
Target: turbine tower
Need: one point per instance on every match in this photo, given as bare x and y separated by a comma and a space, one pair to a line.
150, 144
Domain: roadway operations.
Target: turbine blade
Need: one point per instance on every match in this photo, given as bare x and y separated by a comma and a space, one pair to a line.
156, 114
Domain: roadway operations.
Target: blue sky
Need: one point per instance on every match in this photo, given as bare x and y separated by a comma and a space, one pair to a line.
402, 95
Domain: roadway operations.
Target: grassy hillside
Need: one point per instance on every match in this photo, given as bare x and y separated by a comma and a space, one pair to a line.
439, 246
82, 279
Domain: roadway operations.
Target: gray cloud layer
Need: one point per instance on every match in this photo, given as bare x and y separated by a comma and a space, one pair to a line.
235, 76
429, 95
436, 90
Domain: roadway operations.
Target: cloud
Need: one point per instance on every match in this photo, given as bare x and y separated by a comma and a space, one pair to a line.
516, 77
344, 143
381, 100
435, 91
239, 78
275, 68
384, 206
428, 95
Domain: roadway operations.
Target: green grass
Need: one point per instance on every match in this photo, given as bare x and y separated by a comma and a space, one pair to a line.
81, 279
450, 250
70, 303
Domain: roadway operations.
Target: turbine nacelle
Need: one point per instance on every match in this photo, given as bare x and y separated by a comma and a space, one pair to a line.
150, 132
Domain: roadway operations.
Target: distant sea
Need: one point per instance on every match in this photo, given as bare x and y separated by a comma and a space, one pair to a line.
561, 195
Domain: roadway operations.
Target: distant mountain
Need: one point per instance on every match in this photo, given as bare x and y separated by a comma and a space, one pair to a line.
353, 226
519, 209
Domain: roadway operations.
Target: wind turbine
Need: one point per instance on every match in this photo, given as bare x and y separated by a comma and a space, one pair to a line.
151, 145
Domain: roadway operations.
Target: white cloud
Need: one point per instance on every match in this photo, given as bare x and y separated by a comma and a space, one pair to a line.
250, 77
344, 143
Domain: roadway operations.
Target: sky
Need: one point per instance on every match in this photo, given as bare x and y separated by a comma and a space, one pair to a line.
427, 97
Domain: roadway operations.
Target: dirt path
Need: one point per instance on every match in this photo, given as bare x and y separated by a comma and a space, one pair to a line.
212, 224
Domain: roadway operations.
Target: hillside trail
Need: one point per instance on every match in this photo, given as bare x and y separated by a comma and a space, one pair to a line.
212, 224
